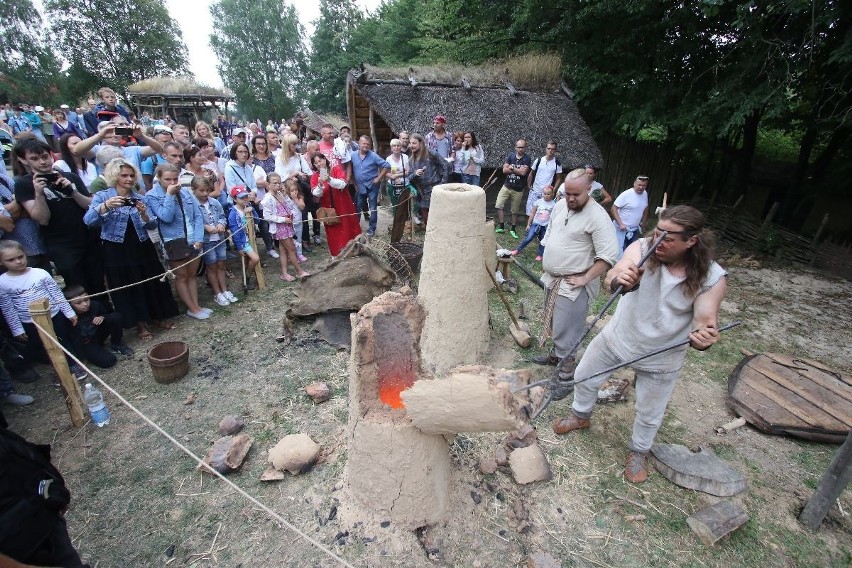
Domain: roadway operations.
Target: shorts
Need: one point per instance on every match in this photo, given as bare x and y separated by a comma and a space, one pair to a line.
214, 255
515, 197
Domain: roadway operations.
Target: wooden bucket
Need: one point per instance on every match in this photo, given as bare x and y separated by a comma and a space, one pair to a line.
169, 361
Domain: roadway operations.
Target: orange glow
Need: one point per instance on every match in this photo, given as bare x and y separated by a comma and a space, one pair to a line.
391, 389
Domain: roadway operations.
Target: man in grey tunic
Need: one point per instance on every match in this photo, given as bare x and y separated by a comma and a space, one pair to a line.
579, 247
681, 290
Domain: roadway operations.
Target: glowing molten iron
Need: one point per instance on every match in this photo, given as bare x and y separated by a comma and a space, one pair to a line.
391, 388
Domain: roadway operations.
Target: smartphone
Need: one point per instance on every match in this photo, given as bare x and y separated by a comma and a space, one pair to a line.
124, 131
52, 177
323, 173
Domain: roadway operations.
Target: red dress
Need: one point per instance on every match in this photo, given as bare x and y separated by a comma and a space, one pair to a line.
350, 223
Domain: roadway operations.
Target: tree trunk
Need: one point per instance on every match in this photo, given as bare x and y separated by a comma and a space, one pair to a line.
746, 154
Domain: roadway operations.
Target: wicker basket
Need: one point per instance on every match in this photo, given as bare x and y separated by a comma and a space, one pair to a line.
411, 252
169, 361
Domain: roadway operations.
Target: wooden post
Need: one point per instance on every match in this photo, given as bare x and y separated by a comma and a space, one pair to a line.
373, 130
771, 215
258, 270
40, 312
834, 480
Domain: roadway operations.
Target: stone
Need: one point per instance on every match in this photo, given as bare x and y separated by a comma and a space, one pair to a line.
487, 465
227, 453
319, 392
231, 425
523, 437
272, 474
542, 560
296, 453
501, 458
702, 470
529, 465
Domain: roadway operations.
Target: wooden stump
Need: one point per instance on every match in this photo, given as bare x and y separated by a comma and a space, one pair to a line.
717, 521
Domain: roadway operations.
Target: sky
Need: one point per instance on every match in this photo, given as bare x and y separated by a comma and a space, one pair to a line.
197, 25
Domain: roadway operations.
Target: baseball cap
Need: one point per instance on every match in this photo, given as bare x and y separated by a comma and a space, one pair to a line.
441, 118
63, 107
238, 132
162, 128
38, 108
239, 191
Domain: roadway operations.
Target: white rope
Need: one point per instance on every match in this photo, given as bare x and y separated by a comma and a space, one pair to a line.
188, 452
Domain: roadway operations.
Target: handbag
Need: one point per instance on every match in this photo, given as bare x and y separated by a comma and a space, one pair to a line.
178, 249
328, 215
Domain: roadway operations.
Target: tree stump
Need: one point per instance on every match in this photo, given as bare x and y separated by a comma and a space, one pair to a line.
717, 521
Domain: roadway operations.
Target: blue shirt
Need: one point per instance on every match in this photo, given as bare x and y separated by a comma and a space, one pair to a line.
172, 221
365, 170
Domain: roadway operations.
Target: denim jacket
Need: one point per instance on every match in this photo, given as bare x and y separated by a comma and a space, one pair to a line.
168, 213
114, 223
217, 216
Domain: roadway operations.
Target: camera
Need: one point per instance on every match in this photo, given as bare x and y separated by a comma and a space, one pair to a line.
131, 201
51, 178
124, 131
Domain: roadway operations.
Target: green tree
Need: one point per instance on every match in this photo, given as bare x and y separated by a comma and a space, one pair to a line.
119, 41
27, 67
261, 56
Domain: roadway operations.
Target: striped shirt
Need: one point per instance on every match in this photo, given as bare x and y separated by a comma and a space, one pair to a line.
19, 290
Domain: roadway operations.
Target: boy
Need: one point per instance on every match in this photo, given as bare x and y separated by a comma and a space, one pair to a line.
94, 325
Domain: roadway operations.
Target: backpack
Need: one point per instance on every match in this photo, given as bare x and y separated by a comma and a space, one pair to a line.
534, 168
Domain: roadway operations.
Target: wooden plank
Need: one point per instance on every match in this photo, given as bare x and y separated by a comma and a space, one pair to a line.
828, 383
808, 395
780, 401
717, 521
830, 371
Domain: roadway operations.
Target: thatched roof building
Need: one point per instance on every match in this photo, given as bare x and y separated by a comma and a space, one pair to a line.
182, 98
499, 104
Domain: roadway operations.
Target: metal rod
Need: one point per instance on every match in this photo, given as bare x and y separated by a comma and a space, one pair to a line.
535, 279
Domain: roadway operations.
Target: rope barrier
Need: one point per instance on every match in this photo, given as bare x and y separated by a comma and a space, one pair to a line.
197, 459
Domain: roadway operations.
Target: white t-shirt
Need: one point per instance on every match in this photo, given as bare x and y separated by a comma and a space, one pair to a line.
543, 209
88, 176
544, 173
630, 206
396, 166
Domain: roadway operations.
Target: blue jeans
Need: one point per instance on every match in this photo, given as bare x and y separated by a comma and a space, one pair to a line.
471, 180
536, 230
370, 199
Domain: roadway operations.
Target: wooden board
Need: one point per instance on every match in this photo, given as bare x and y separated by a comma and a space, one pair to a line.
779, 394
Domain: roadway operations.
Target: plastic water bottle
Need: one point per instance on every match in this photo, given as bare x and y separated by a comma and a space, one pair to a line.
94, 399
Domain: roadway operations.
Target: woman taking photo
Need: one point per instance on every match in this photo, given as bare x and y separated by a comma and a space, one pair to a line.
181, 227
129, 256
75, 164
429, 170
329, 185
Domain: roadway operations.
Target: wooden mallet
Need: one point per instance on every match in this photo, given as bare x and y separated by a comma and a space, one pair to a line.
520, 335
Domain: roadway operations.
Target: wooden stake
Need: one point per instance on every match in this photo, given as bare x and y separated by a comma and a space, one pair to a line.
258, 270
40, 312
834, 480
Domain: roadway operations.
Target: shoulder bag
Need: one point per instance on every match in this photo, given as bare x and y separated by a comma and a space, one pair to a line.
328, 215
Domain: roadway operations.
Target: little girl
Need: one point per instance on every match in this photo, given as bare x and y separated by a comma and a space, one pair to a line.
286, 211
237, 220
21, 285
295, 193
538, 221
215, 228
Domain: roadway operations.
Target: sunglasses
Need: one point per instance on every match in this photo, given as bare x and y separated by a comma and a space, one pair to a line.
642, 178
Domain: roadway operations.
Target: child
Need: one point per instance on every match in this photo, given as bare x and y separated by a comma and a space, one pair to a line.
19, 286
295, 193
94, 325
537, 222
215, 227
237, 221
286, 211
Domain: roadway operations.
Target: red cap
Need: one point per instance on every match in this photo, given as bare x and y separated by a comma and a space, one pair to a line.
239, 191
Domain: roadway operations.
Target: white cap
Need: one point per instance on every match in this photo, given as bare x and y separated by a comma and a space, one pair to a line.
39, 109
63, 106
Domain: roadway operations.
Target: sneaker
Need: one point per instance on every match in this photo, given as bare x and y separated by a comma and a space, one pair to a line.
538, 258
78, 371
514, 252
121, 350
499, 230
636, 470
418, 221
15, 399
208, 311
273, 253
200, 315
371, 233
513, 233
574, 422
230, 296
302, 258
221, 299
317, 240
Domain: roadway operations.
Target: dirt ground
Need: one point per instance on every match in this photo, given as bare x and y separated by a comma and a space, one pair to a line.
138, 501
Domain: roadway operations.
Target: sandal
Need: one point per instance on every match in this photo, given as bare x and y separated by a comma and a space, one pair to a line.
287, 278
165, 325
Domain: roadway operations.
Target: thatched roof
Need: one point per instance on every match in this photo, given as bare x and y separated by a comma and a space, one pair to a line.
499, 115
176, 87
314, 121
